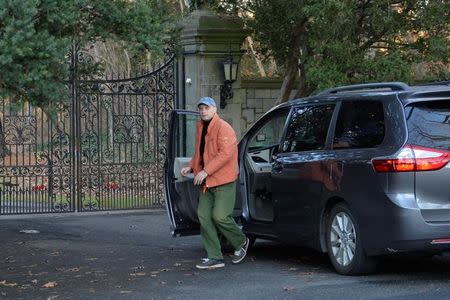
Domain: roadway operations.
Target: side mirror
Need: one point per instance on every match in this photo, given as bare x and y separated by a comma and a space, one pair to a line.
275, 151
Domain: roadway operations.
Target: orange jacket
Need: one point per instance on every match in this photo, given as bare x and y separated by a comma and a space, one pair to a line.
220, 154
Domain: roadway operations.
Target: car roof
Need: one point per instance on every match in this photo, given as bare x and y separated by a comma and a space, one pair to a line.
405, 93
427, 93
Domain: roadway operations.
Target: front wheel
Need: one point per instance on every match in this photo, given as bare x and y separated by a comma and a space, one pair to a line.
344, 243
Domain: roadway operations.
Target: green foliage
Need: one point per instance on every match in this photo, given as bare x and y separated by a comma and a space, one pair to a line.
37, 35
345, 41
197, 4
30, 56
368, 41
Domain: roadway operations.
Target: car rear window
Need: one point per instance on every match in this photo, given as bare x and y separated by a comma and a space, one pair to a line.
360, 124
429, 124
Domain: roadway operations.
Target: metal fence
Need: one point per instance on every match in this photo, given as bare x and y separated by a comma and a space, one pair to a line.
103, 150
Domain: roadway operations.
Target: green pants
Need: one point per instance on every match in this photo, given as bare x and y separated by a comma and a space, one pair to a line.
215, 210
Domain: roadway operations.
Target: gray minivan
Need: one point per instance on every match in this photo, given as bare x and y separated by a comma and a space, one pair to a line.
356, 171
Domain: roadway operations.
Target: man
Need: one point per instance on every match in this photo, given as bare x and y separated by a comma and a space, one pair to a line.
215, 168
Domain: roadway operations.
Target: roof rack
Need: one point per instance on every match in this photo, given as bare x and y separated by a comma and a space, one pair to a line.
445, 82
393, 86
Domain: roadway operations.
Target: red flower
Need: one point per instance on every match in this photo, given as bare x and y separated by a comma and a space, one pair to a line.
38, 187
112, 185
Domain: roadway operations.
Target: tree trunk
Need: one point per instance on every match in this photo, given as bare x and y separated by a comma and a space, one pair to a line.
261, 70
289, 77
302, 89
292, 64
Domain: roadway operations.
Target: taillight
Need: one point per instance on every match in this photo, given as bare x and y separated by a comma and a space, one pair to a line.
413, 158
440, 241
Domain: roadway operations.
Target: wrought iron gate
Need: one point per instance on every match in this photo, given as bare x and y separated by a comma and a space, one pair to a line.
105, 150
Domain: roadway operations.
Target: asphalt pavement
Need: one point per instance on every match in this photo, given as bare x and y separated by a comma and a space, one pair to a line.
133, 256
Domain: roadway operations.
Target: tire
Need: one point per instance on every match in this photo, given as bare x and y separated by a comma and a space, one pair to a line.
344, 245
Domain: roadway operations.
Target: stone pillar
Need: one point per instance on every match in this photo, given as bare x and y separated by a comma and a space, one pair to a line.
207, 40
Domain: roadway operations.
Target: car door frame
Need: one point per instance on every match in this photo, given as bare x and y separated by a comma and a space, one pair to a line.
283, 231
182, 223
251, 225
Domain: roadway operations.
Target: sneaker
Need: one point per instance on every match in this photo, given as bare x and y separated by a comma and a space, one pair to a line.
208, 263
240, 254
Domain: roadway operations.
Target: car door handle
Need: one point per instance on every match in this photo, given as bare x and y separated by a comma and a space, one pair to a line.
277, 167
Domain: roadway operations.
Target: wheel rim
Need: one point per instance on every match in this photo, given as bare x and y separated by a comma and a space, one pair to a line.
343, 239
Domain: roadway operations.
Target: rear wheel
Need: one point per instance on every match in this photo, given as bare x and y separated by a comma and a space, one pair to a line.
344, 243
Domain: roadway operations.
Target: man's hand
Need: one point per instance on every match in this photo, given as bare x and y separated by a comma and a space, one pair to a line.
185, 171
198, 179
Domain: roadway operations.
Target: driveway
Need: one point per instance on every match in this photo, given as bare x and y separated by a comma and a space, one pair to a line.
133, 256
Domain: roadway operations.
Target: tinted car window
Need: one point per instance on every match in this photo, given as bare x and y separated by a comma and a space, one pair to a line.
308, 127
269, 134
429, 124
360, 124
185, 135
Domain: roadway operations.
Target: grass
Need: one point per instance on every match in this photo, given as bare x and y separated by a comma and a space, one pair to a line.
106, 201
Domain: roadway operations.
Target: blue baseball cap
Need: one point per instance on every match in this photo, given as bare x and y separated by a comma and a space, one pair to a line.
208, 101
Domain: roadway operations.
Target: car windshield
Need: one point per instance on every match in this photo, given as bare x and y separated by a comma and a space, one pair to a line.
429, 124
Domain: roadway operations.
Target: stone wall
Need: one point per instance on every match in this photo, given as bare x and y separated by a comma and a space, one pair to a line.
254, 97
256, 103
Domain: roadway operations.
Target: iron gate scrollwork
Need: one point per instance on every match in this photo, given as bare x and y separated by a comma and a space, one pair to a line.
104, 150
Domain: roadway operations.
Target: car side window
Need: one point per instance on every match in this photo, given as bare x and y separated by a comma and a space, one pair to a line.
308, 128
360, 124
269, 134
